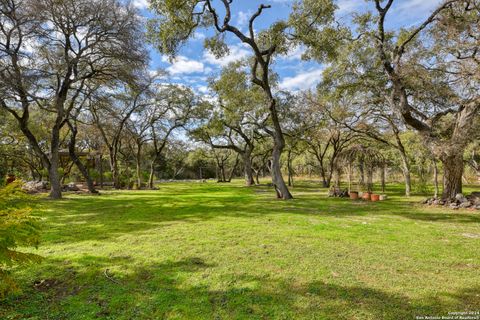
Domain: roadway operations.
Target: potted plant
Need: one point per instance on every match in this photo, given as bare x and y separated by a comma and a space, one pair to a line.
366, 195
10, 178
375, 197
354, 195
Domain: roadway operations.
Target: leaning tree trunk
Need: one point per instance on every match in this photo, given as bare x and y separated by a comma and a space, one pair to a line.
257, 176
232, 172
452, 174
277, 178
278, 145
76, 160
323, 175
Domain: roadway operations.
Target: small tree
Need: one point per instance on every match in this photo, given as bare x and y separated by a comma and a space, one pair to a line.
17, 228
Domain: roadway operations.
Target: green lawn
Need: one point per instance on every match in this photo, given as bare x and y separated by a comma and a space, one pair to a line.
224, 251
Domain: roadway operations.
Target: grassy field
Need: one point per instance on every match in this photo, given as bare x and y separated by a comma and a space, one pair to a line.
224, 251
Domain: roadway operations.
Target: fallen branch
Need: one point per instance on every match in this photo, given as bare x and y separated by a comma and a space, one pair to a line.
110, 277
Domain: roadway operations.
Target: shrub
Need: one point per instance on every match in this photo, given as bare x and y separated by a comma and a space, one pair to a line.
17, 228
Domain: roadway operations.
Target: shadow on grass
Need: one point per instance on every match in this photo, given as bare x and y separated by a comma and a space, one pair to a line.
81, 218
162, 290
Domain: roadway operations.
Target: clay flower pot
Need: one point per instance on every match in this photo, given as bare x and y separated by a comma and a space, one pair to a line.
375, 197
366, 196
354, 195
10, 178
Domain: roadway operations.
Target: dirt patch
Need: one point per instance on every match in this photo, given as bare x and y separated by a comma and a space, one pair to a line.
471, 235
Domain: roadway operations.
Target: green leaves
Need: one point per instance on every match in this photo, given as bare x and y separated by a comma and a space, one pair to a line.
17, 228
175, 23
313, 25
217, 46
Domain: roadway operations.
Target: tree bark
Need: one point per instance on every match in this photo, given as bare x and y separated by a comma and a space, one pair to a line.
324, 177
369, 179
361, 168
152, 174
289, 168
247, 161
435, 178
138, 160
406, 173
114, 170
76, 160
55, 183
452, 176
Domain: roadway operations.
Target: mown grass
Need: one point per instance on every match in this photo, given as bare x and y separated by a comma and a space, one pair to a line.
224, 251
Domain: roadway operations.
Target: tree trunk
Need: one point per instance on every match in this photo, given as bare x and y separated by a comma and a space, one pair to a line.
56, 186
54, 177
289, 168
100, 161
338, 176
76, 160
232, 172
349, 177
114, 170
435, 178
369, 179
406, 173
152, 174
452, 174
138, 161
324, 177
247, 161
257, 176
277, 178
362, 173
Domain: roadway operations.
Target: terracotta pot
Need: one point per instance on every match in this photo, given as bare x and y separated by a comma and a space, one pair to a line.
366, 196
10, 178
354, 195
375, 197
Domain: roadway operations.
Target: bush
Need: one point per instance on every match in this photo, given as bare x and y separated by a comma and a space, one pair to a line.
17, 228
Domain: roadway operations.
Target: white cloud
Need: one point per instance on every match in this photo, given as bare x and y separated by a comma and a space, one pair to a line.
304, 80
199, 36
416, 9
203, 89
295, 54
349, 6
182, 64
237, 52
419, 6
140, 4
243, 18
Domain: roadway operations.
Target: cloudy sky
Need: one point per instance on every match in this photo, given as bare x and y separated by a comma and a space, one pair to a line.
194, 65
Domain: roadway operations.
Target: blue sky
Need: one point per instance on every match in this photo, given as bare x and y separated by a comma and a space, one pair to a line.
194, 65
